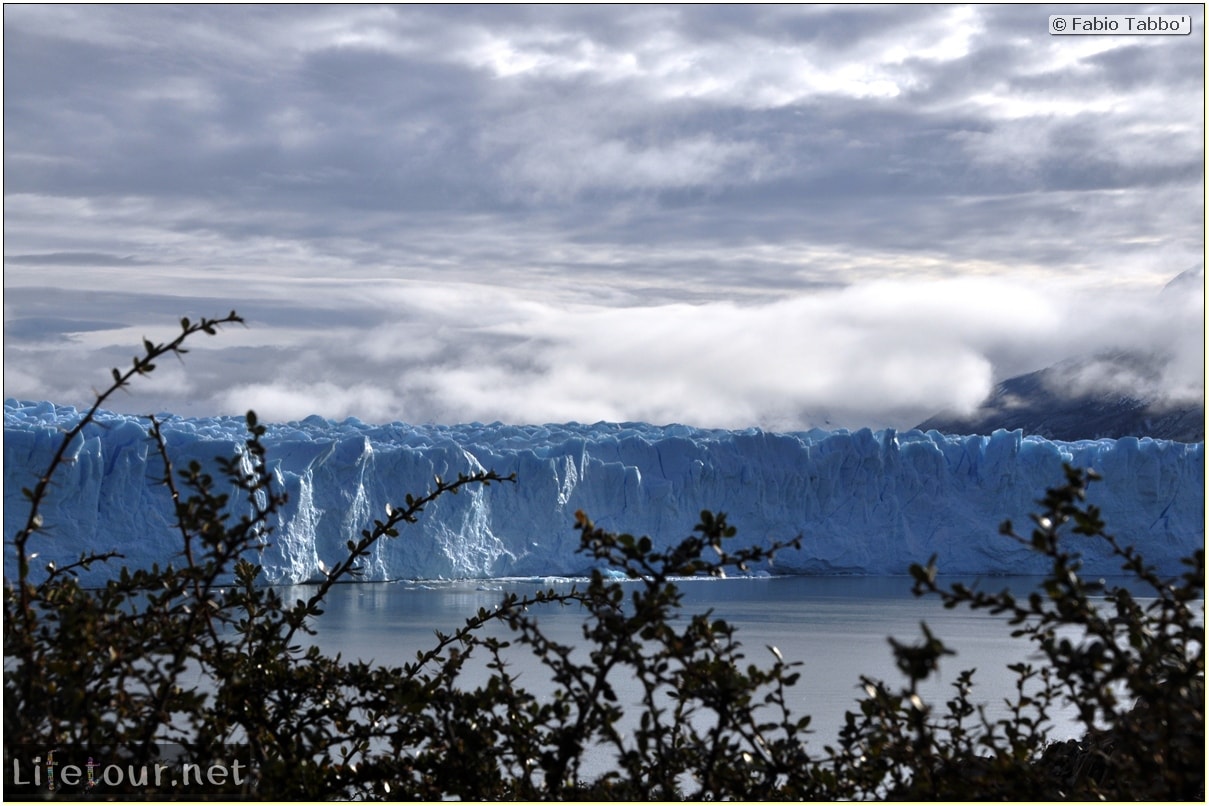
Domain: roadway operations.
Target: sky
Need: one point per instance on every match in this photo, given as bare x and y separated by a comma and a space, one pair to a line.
725, 216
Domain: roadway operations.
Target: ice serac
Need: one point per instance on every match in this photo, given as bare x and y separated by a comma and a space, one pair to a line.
865, 502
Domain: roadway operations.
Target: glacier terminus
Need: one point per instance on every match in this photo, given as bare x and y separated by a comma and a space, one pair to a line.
866, 502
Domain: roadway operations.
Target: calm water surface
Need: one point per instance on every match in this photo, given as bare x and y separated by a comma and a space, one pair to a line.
836, 626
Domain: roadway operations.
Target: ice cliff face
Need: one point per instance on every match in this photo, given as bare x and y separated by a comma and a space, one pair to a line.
866, 502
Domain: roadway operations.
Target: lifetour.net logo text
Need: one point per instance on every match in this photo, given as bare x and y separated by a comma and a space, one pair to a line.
67, 771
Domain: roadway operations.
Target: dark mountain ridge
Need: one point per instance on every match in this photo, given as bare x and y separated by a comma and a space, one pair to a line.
1089, 398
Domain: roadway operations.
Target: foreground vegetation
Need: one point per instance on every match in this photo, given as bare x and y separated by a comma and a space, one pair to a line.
181, 661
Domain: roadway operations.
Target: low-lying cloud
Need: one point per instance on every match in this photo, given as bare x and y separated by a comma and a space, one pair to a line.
882, 353
885, 353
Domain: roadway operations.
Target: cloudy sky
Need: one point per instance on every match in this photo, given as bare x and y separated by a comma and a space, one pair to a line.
725, 216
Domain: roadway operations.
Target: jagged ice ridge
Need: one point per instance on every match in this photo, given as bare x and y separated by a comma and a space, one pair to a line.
866, 502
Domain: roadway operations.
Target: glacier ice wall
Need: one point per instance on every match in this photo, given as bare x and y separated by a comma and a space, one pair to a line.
866, 502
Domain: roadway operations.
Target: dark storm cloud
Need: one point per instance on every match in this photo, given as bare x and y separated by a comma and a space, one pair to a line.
384, 190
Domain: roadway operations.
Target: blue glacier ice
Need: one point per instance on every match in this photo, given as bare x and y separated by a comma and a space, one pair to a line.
866, 502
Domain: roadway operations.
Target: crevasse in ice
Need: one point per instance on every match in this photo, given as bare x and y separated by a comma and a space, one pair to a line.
866, 502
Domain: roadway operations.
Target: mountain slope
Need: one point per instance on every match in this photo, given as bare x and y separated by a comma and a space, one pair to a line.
1063, 403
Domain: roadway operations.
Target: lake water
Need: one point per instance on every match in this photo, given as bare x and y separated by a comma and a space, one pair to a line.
836, 626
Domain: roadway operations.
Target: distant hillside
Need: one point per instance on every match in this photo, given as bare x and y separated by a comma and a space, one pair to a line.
1057, 403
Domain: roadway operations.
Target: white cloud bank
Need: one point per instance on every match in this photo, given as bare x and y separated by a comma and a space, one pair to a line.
883, 353
876, 353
